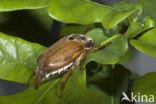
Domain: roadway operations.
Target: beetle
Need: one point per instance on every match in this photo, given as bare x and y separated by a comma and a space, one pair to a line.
63, 56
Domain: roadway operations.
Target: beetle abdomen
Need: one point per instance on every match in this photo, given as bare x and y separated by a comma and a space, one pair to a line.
58, 71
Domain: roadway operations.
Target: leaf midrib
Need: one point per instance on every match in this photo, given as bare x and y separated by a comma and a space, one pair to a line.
46, 91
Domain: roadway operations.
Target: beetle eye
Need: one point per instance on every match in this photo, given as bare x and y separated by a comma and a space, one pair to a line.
89, 43
83, 38
71, 38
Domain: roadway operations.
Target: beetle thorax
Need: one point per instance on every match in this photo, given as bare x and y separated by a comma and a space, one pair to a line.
84, 39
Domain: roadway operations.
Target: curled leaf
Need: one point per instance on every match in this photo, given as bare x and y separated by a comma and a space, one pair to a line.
146, 42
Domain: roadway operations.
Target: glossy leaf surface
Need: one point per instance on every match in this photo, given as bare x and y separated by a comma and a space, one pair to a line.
18, 60
146, 85
146, 42
88, 12
10, 5
111, 53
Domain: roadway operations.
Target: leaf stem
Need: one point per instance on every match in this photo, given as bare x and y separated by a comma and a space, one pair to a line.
110, 39
112, 84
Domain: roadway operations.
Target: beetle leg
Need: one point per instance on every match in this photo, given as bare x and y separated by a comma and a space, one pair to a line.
38, 79
95, 48
33, 74
98, 47
82, 58
87, 29
83, 55
65, 79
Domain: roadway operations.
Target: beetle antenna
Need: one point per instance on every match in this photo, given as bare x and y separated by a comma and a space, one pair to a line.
87, 29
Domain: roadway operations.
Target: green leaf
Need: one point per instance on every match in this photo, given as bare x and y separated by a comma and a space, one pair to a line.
97, 35
17, 62
74, 29
17, 58
146, 42
48, 92
110, 54
88, 12
149, 7
145, 85
10, 5
137, 28
149, 23
118, 29
134, 29
127, 57
110, 84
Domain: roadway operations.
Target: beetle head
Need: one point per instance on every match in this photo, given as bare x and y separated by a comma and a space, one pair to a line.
84, 39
